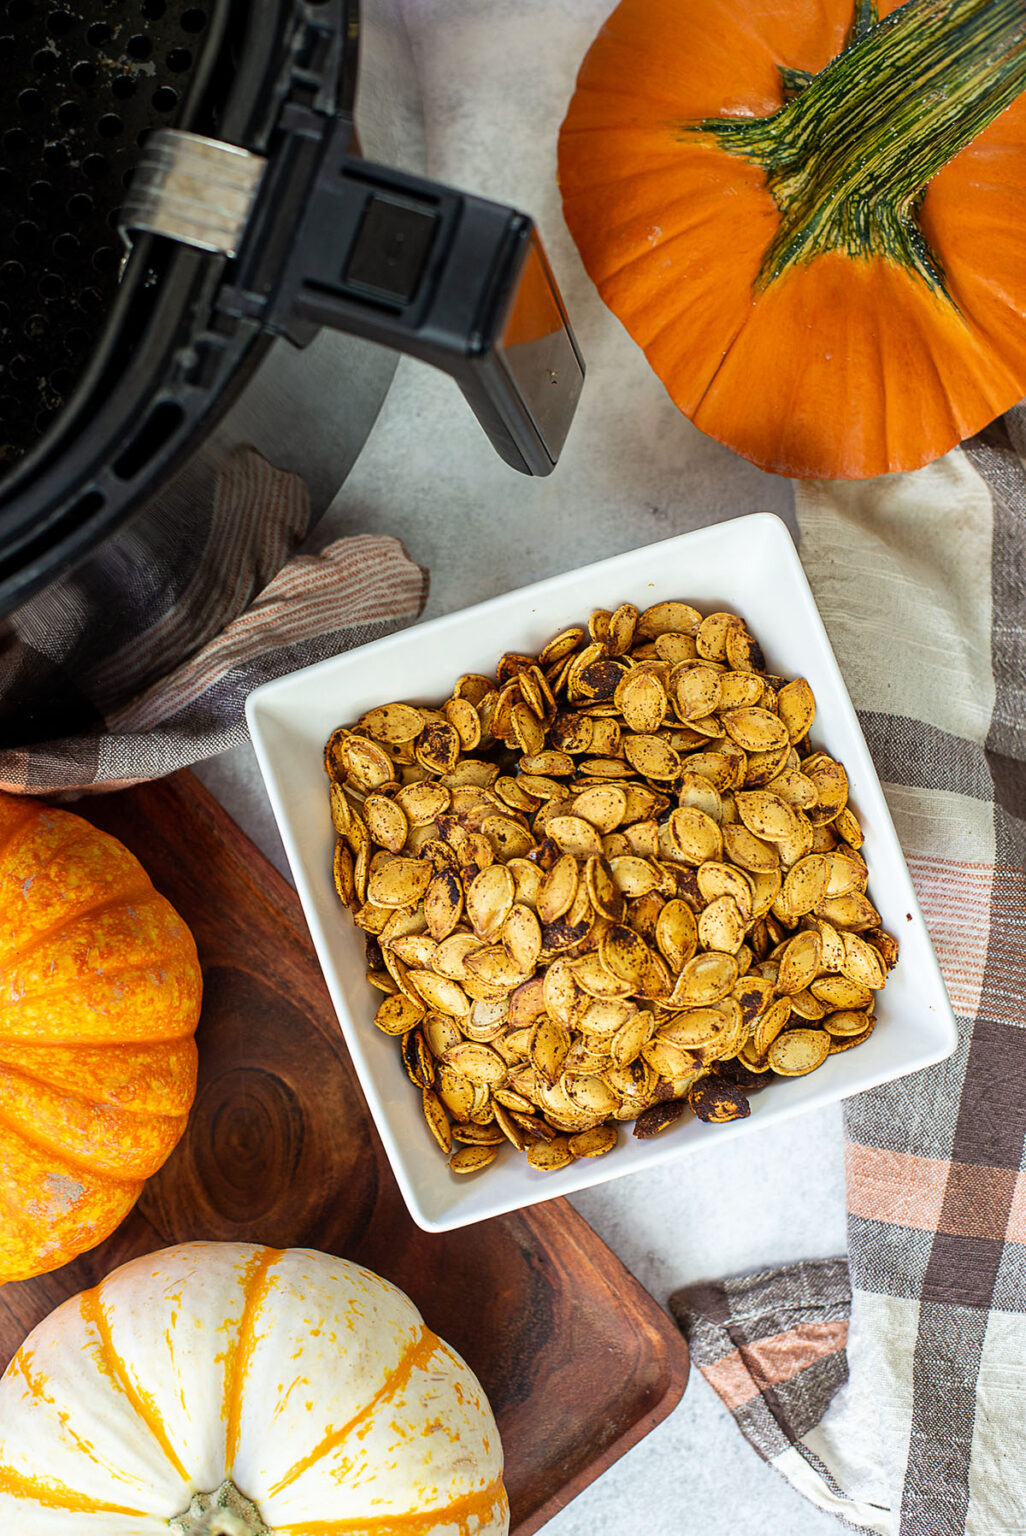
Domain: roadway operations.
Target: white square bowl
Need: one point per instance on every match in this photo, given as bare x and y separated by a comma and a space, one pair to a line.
749, 566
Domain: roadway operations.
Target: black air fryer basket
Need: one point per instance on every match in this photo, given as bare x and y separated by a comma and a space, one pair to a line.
82, 88
180, 186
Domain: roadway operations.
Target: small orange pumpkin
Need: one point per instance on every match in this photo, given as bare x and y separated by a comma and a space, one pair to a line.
99, 997
809, 216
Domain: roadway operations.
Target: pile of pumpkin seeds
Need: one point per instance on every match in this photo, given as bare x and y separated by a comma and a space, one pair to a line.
611, 883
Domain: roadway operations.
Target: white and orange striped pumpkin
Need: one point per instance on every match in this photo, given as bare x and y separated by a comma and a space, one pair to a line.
223, 1387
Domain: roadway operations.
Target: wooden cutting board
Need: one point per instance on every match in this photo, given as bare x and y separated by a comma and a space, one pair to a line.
577, 1359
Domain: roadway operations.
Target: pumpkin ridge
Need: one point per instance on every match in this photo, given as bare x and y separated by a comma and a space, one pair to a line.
984, 327
680, 233
120, 899
62, 1153
59, 1496
77, 829
59, 1083
165, 1131
91, 1308
95, 1045
11, 832
480, 1502
419, 1349
86, 1098
813, 289
20, 1364
711, 380
242, 1352
50, 989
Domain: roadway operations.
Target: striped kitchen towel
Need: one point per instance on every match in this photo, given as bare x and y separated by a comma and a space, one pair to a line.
353, 591
900, 1405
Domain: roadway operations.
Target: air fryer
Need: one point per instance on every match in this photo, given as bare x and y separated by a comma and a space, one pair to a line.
196, 254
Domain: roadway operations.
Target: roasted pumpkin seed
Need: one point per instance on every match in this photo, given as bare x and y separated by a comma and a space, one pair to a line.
748, 851
478, 1063
443, 904
711, 636
798, 1051
489, 898
799, 962
846, 1042
417, 1059
594, 1143
471, 1159
847, 1022
721, 926
440, 994
548, 1156
743, 651
862, 963
716, 1100
840, 992
574, 836
659, 1117
692, 836
641, 698
797, 708
651, 756
398, 1014
437, 1119
344, 874
399, 882
548, 1048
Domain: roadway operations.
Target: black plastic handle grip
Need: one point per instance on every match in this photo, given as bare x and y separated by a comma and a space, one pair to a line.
455, 280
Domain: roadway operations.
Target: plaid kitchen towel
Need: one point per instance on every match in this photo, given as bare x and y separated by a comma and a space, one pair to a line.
316, 606
901, 1406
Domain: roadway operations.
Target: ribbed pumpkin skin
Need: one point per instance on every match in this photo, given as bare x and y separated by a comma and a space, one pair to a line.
100, 993
308, 1381
844, 366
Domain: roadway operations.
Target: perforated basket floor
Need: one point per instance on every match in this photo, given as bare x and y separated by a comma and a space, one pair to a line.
82, 86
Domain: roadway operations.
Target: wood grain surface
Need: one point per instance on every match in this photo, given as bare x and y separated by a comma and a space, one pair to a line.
577, 1359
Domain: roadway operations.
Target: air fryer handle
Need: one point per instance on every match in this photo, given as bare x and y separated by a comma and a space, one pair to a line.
455, 280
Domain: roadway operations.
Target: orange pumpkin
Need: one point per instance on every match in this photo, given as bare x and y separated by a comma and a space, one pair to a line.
99, 997
810, 216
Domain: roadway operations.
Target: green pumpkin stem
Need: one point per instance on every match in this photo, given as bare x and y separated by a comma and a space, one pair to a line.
794, 81
848, 157
225, 1512
862, 22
